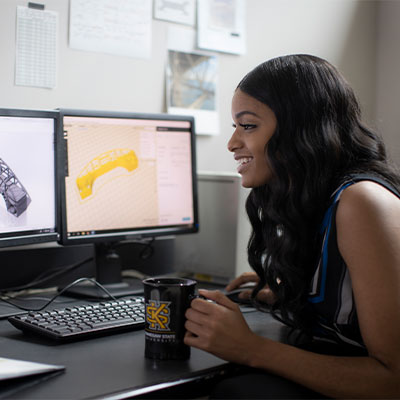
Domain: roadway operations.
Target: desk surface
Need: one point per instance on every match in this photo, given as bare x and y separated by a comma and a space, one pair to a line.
113, 366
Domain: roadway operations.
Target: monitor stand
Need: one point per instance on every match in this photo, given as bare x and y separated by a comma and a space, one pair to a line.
108, 274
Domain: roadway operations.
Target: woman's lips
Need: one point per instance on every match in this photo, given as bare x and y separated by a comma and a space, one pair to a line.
243, 163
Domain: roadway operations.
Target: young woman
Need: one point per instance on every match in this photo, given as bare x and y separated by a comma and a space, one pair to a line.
325, 242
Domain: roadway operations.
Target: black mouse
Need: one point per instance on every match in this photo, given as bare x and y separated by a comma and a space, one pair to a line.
234, 295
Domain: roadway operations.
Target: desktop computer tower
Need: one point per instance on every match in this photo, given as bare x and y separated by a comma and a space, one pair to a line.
211, 254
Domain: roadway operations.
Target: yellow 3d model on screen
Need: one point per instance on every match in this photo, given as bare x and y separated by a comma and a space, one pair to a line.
102, 164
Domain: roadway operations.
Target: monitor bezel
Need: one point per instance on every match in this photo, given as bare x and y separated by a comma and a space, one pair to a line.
28, 237
134, 233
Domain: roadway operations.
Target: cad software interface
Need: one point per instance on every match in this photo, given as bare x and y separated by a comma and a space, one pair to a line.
27, 176
126, 174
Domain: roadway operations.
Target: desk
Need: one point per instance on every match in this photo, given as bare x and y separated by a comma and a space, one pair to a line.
113, 367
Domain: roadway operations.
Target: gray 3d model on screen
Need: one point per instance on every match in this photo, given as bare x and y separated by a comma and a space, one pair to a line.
15, 195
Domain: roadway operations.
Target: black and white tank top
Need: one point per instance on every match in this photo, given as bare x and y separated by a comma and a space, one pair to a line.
331, 295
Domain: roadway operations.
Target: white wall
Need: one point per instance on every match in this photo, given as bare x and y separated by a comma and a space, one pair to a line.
342, 31
388, 82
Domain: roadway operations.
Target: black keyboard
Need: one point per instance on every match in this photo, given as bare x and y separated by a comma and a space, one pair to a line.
83, 321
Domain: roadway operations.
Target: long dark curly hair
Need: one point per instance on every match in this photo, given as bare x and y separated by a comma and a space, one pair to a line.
319, 140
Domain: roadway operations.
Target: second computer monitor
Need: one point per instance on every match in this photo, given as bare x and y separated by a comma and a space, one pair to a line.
127, 176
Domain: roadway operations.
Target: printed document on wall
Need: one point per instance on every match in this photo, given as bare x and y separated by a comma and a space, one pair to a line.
179, 11
221, 25
36, 48
116, 27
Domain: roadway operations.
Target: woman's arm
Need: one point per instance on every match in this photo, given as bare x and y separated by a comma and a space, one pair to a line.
368, 226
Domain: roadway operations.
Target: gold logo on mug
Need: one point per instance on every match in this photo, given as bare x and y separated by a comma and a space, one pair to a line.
158, 315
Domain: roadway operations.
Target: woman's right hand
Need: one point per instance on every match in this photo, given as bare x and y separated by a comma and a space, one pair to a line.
265, 295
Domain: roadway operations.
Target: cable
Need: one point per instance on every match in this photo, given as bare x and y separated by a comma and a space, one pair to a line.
39, 280
145, 253
59, 271
148, 250
99, 285
77, 281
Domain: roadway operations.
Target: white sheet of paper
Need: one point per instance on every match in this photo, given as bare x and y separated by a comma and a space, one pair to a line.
221, 25
36, 48
116, 27
10, 368
181, 38
180, 11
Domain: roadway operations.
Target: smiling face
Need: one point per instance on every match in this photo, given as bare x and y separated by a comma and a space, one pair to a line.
254, 124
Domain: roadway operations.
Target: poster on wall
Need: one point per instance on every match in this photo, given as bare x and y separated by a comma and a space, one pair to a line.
192, 88
36, 48
221, 25
179, 11
115, 27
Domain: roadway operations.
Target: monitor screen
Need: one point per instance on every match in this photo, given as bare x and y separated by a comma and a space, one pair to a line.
127, 176
28, 208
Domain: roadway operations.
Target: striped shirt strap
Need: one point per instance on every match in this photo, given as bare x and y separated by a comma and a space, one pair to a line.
318, 284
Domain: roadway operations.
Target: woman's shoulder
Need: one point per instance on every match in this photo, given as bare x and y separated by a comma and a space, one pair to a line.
367, 207
367, 194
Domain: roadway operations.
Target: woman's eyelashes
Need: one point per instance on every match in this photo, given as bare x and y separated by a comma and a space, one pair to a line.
246, 127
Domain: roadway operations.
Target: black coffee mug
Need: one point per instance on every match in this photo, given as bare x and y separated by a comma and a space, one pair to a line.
166, 301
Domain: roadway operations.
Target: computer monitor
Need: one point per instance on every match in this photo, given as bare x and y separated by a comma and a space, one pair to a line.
28, 207
127, 176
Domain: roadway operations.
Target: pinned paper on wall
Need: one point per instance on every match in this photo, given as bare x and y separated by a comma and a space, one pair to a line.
192, 89
221, 25
117, 27
36, 47
179, 11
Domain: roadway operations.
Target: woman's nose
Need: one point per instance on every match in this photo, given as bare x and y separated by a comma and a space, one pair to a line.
233, 142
